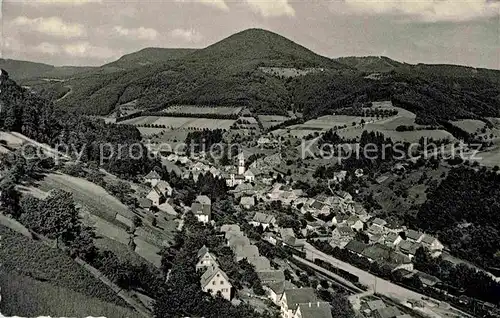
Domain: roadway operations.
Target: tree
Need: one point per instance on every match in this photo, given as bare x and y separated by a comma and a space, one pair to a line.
9, 198
341, 307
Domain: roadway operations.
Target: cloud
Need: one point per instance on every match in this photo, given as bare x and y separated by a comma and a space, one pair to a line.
63, 2
187, 35
429, 10
47, 48
141, 33
271, 8
86, 50
219, 4
52, 26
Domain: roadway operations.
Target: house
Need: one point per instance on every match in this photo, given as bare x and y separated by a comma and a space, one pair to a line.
432, 244
409, 248
250, 175
205, 258
342, 235
375, 238
215, 280
203, 199
156, 196
375, 304
145, 203
152, 178
215, 172
392, 239
355, 223
314, 310
271, 238
356, 247
315, 225
394, 227
275, 290
202, 212
233, 179
339, 219
384, 255
374, 229
271, 276
230, 228
379, 222
247, 251
339, 177
293, 297
247, 202
427, 280
243, 189
414, 236
264, 220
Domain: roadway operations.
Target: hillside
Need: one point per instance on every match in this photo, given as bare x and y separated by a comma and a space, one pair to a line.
227, 74
148, 56
22, 70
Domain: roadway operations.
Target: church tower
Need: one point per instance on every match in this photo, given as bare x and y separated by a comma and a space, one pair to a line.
241, 164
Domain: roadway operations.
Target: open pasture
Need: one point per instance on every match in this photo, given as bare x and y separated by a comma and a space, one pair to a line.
182, 122
470, 125
198, 110
269, 121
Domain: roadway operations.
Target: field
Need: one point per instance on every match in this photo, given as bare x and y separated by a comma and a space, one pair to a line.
181, 122
86, 193
288, 71
469, 125
35, 259
25, 296
203, 110
269, 121
148, 132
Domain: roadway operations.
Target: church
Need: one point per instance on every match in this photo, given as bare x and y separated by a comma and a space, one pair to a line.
239, 175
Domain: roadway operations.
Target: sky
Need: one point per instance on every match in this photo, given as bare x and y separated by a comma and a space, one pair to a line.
95, 32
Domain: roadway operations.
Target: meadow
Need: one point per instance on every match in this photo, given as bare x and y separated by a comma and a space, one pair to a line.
181, 122
198, 110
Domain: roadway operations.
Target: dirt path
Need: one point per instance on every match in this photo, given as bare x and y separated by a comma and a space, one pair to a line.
65, 95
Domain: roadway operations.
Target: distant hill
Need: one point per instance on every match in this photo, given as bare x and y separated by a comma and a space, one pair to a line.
228, 73
148, 56
22, 70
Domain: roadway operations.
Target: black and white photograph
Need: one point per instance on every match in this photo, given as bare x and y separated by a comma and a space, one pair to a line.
250, 158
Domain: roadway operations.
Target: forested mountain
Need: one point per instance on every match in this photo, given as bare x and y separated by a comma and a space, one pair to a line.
227, 73
148, 56
22, 70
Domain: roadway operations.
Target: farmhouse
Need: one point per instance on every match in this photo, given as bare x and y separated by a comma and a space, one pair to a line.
264, 220
205, 259
202, 208
275, 290
215, 280
152, 178
342, 235
293, 297
313, 310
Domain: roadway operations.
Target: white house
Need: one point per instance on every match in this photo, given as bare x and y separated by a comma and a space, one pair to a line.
247, 202
319, 309
275, 291
152, 178
293, 297
215, 280
205, 259
202, 208
155, 196
355, 223
263, 219
249, 175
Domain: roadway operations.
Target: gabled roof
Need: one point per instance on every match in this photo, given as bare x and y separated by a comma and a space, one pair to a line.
280, 286
287, 232
263, 218
352, 220
344, 230
260, 263
203, 199
379, 222
271, 275
144, 203
152, 175
210, 273
414, 235
316, 310
428, 239
408, 247
297, 296
202, 251
229, 228
242, 187
246, 251
201, 209
391, 237
356, 246
238, 241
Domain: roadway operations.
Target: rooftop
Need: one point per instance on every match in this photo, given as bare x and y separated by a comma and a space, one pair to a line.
297, 296
315, 310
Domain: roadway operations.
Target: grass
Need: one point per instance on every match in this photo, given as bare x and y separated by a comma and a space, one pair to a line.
204, 110
182, 122
469, 125
25, 296
38, 261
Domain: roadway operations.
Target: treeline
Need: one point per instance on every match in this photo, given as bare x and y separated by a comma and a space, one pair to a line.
364, 112
463, 213
202, 140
